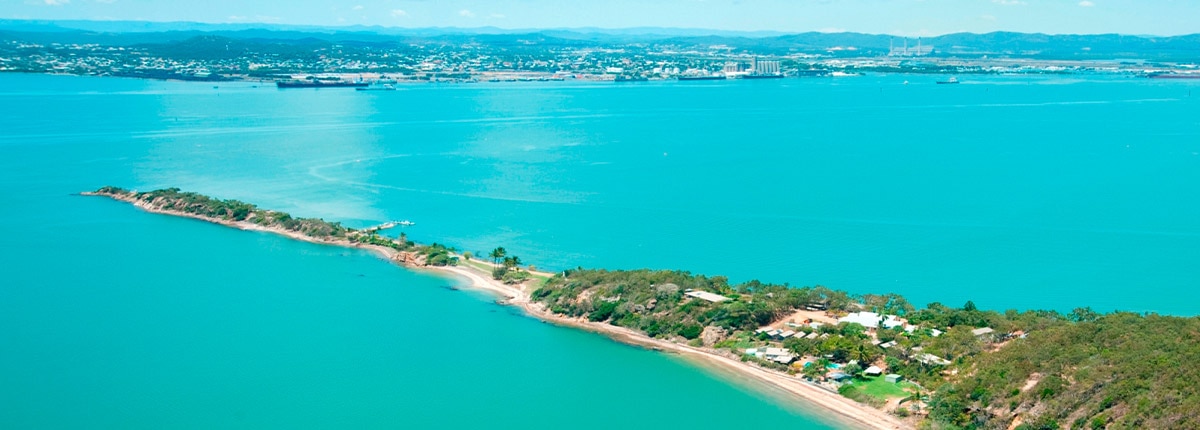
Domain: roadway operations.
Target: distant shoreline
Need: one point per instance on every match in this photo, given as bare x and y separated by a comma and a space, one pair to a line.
846, 410
548, 78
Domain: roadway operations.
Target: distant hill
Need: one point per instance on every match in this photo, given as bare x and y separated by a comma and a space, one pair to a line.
998, 44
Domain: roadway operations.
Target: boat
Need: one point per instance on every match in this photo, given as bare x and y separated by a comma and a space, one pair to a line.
1174, 76
950, 81
844, 74
772, 76
406, 223
813, 72
320, 84
624, 78
703, 78
384, 87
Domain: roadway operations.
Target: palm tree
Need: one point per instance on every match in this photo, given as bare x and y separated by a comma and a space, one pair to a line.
862, 354
915, 397
497, 254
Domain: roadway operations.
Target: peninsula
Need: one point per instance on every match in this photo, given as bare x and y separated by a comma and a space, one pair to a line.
876, 361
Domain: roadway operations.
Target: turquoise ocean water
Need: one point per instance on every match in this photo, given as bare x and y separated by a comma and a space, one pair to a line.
1014, 192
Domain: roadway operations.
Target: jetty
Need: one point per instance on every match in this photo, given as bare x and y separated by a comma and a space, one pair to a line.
388, 225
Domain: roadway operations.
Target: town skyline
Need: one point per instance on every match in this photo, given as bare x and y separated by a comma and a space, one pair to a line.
911, 18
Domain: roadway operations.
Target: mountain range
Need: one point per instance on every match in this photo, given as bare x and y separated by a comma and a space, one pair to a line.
1184, 48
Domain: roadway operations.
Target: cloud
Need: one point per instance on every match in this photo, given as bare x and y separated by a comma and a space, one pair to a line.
397, 13
988, 17
1086, 3
496, 16
1008, 2
466, 13
55, 2
357, 7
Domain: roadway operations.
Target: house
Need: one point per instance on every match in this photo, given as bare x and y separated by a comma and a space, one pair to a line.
872, 320
931, 359
778, 355
705, 295
888, 344
873, 371
839, 376
786, 334
893, 378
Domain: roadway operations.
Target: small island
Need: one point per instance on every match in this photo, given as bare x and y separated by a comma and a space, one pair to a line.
876, 360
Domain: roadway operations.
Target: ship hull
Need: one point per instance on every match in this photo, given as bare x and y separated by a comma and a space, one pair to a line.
321, 84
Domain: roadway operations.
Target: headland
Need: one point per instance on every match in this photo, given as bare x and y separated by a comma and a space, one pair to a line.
874, 361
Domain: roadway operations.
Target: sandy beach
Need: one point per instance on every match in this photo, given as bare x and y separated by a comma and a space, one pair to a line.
851, 413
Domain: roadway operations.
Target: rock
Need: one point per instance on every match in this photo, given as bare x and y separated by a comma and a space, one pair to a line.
666, 288
711, 335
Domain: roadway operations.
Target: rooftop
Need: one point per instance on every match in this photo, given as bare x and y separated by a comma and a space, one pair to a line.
705, 295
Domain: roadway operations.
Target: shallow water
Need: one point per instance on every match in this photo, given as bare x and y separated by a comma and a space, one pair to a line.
1026, 192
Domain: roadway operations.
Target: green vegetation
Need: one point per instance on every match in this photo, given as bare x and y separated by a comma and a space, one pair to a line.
173, 199
1087, 370
654, 301
1118, 371
881, 389
507, 268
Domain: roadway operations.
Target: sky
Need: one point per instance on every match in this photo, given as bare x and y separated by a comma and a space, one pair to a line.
898, 17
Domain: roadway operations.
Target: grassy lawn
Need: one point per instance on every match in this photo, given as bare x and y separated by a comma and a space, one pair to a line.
487, 268
882, 389
741, 341
475, 264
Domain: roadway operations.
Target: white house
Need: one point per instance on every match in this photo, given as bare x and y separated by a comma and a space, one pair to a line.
872, 320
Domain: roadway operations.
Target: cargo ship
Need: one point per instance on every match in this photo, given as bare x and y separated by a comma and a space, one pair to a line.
1174, 76
320, 84
813, 72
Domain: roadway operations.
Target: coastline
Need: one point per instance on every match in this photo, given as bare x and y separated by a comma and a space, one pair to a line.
845, 410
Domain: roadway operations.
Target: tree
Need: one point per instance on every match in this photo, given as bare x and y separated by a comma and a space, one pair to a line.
852, 369
814, 370
1085, 314
497, 254
970, 306
863, 353
467, 255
